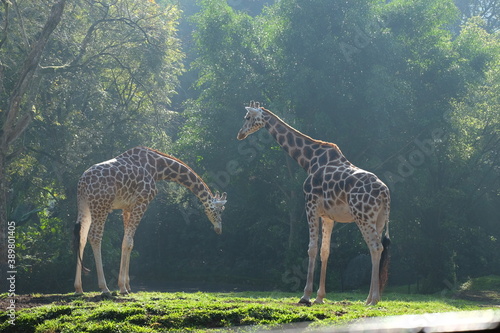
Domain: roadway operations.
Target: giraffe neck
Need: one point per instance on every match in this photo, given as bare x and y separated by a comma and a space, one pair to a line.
309, 153
166, 167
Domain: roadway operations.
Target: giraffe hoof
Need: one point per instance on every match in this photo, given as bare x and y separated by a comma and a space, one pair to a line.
106, 295
371, 302
319, 301
306, 302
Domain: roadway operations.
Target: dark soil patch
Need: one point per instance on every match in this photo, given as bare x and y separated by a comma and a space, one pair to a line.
486, 297
31, 301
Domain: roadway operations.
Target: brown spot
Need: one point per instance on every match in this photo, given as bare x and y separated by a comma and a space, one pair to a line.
280, 128
316, 181
308, 152
349, 183
323, 159
192, 177
299, 142
290, 139
333, 154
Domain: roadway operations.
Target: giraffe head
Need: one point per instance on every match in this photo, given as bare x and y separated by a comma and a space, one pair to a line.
254, 120
214, 210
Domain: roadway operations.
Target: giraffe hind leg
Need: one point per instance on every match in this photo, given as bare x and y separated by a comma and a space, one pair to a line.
80, 234
372, 238
95, 238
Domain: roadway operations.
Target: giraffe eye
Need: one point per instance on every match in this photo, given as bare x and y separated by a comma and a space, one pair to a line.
247, 118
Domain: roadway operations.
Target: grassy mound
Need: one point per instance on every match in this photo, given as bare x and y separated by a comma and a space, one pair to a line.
153, 312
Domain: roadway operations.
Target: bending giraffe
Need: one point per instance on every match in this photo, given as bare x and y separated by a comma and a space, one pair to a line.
335, 191
128, 182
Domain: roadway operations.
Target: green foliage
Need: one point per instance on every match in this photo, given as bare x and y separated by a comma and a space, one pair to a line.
103, 86
41, 249
383, 80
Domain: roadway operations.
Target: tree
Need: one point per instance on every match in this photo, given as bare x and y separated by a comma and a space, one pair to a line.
103, 84
16, 106
488, 10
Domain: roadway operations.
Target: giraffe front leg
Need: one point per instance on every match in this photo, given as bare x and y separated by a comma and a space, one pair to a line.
327, 227
312, 252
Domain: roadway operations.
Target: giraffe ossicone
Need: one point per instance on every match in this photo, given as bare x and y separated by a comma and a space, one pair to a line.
128, 182
335, 191
219, 200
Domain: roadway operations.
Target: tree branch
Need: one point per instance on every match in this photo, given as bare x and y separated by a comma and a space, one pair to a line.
5, 26
11, 131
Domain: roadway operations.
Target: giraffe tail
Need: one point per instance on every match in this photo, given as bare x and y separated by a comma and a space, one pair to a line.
384, 262
80, 234
76, 246
385, 257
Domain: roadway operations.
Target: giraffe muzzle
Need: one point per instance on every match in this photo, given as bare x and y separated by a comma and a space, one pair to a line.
241, 135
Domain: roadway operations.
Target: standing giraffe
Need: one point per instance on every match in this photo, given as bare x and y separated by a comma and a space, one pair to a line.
335, 191
128, 182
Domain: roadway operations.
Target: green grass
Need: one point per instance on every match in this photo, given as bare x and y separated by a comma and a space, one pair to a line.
490, 282
153, 312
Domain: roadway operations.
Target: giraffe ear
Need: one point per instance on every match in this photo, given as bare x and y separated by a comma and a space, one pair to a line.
252, 111
220, 203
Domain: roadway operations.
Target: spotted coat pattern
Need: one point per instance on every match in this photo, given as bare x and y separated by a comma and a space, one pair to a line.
335, 191
128, 182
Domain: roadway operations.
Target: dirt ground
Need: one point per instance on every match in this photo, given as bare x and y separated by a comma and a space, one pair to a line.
31, 301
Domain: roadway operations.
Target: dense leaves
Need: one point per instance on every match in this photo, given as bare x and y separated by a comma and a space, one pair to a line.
407, 89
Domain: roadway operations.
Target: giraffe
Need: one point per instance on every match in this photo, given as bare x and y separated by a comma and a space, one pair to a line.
335, 191
128, 182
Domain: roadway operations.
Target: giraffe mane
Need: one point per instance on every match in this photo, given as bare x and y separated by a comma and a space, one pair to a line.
320, 142
181, 162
